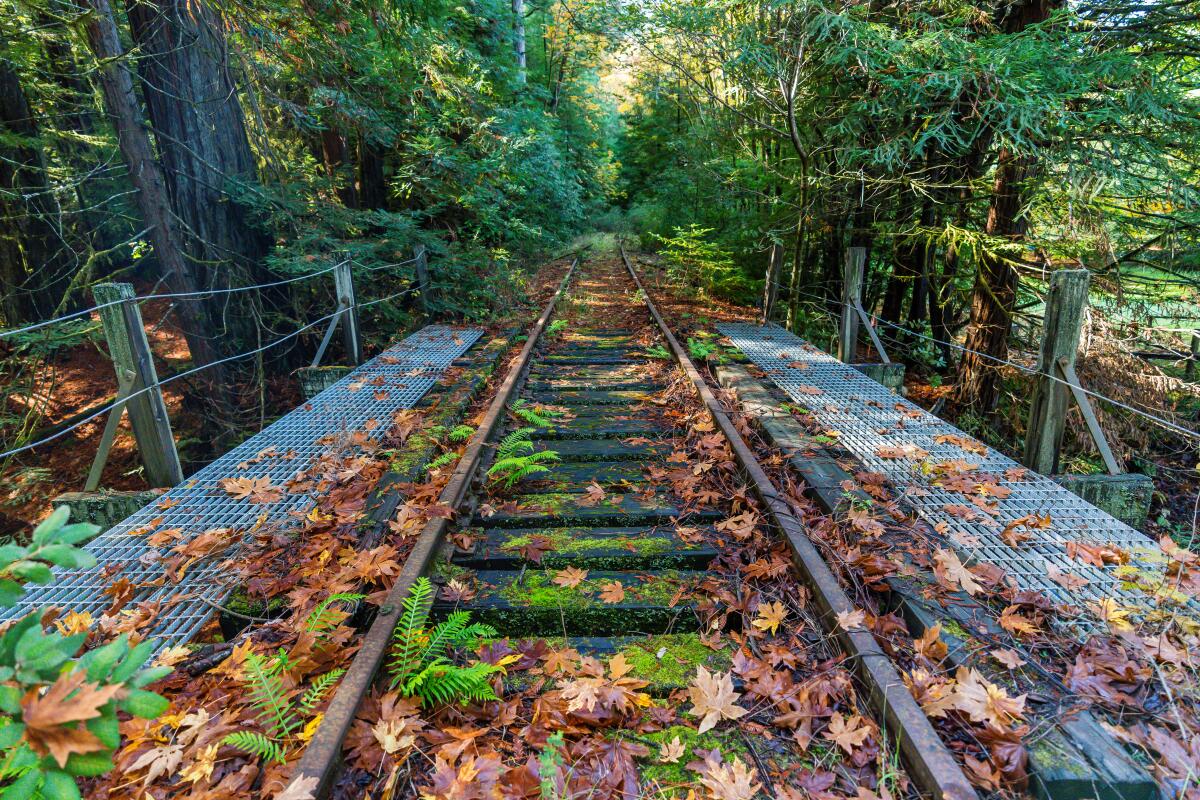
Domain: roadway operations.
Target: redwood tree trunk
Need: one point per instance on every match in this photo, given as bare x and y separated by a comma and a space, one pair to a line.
197, 120
995, 292
116, 84
35, 261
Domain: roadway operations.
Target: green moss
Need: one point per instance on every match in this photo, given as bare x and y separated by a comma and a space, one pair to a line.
448, 571
680, 655
954, 629
671, 780
537, 589
568, 541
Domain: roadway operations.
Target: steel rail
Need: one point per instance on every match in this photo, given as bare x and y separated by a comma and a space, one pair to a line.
929, 763
323, 757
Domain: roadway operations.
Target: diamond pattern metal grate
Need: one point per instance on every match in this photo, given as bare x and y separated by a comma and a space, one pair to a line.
396, 379
868, 417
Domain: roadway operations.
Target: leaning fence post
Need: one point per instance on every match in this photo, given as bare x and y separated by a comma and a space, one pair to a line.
343, 283
422, 269
771, 284
1189, 371
134, 365
1065, 305
852, 275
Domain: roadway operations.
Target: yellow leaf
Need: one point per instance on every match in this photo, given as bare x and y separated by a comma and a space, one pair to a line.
310, 729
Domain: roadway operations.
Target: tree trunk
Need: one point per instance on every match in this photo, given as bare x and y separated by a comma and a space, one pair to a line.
995, 292
197, 120
518, 8
372, 186
116, 84
333, 152
35, 261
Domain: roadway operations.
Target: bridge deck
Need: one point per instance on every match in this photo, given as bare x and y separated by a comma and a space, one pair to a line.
912, 448
363, 400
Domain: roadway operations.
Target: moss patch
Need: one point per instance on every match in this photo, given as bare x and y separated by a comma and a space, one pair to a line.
674, 780
574, 541
538, 590
671, 659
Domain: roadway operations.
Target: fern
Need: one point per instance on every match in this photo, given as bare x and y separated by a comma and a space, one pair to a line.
514, 443
310, 699
442, 460
267, 693
460, 433
256, 744
421, 664
323, 618
540, 419
410, 637
510, 470
442, 682
556, 327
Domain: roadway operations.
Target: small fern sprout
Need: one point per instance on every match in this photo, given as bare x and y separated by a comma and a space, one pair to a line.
325, 617
515, 459
460, 433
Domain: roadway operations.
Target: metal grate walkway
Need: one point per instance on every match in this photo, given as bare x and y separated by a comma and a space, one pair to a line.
869, 419
366, 397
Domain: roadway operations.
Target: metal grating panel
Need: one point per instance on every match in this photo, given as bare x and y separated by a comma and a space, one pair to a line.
867, 417
392, 381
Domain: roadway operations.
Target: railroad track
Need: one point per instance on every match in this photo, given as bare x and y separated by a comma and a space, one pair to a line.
638, 549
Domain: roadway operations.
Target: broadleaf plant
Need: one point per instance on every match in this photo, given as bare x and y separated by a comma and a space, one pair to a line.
58, 709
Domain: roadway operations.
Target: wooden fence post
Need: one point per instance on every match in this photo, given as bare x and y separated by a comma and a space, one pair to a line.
852, 275
1189, 371
344, 286
1065, 306
771, 284
134, 365
423, 277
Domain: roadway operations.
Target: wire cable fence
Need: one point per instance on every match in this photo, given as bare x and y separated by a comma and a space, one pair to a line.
121, 401
1167, 424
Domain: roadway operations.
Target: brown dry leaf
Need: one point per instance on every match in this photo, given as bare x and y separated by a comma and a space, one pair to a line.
849, 620
1012, 621
1113, 613
612, 592
847, 733
202, 768
713, 698
1008, 658
256, 490
594, 495
582, 693
950, 568
570, 577
618, 667
930, 643
172, 656
984, 701
907, 450
48, 717
732, 781
968, 444
806, 389
1067, 580
301, 788
160, 762
671, 751
770, 616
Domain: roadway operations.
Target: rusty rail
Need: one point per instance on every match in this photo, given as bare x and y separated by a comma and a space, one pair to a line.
323, 757
929, 763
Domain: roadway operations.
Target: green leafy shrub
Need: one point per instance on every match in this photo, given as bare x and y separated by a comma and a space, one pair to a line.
697, 263
421, 663
58, 712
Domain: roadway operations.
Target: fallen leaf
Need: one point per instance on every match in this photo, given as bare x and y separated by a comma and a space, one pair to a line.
49, 717
301, 788
671, 751
770, 616
570, 577
713, 698
256, 490
1008, 658
847, 733
849, 620
950, 568
612, 592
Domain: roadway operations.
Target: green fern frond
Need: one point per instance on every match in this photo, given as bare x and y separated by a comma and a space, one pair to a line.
461, 433
318, 690
457, 631
323, 618
409, 639
257, 745
443, 460
268, 696
441, 682
513, 443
